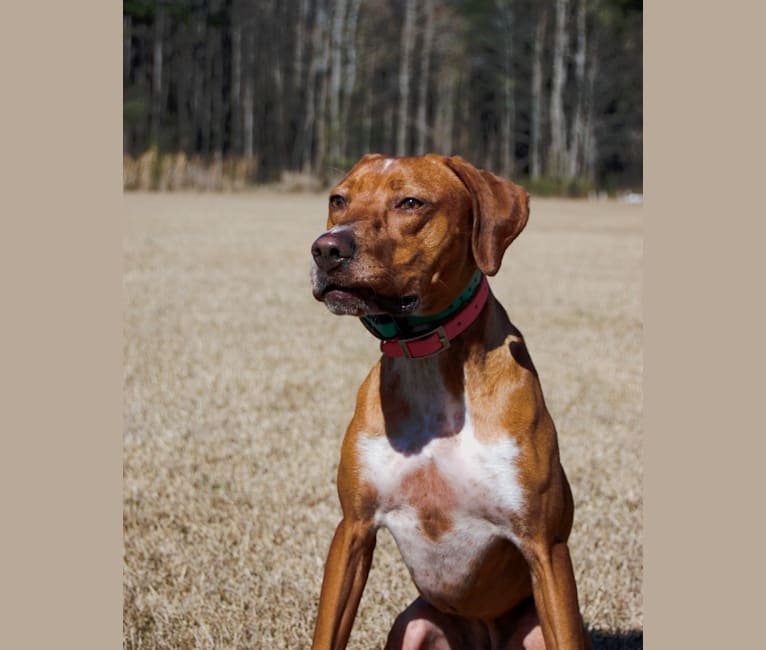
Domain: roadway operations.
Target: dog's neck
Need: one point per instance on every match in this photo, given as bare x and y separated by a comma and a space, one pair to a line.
421, 336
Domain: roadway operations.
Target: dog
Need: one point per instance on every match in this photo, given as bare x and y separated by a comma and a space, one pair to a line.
451, 447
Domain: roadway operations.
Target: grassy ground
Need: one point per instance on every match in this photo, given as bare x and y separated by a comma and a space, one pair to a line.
238, 387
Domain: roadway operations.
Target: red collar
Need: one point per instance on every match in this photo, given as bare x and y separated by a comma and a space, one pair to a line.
438, 339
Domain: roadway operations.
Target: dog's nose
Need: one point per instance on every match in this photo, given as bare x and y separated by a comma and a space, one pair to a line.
333, 248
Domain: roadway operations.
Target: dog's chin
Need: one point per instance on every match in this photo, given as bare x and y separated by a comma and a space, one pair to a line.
365, 302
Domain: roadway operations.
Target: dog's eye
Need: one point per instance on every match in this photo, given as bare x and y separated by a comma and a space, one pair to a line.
410, 203
337, 201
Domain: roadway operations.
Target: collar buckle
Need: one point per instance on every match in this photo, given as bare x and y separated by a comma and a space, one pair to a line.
443, 340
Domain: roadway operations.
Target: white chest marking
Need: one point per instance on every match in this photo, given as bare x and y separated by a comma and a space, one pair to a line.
475, 491
482, 474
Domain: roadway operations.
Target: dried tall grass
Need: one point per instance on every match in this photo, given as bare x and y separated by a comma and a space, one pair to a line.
238, 388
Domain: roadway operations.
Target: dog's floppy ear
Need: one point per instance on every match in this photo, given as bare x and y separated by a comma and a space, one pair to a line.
500, 212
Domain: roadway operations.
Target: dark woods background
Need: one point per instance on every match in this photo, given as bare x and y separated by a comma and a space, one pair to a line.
222, 93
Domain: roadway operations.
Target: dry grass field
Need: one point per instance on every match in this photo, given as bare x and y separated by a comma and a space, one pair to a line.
238, 387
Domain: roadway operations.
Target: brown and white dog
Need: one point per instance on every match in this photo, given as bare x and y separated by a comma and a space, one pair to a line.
451, 446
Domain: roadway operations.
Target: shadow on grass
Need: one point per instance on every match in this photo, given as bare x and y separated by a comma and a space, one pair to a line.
632, 640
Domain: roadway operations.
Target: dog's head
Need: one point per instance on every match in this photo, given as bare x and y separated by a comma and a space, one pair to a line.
405, 235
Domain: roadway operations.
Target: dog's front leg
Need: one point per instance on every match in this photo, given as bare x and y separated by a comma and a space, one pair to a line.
555, 594
346, 570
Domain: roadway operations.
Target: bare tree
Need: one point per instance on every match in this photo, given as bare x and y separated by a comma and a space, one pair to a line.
589, 144
300, 37
536, 129
577, 137
445, 115
449, 56
349, 73
236, 80
507, 140
425, 68
408, 38
159, 25
336, 62
557, 151
248, 89
217, 106
306, 134
202, 92
323, 55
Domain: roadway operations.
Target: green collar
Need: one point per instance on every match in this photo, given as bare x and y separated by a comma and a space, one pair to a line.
387, 327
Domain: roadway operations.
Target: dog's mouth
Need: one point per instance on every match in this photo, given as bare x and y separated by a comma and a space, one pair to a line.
363, 301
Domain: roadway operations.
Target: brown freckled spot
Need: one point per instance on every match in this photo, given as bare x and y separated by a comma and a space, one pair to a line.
428, 491
434, 523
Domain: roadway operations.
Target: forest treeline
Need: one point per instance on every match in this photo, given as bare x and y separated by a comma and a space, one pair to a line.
222, 93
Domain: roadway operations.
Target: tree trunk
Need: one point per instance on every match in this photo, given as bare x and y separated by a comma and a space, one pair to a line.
536, 167
248, 89
184, 73
389, 135
349, 76
408, 34
320, 155
301, 80
507, 142
207, 104
236, 86
336, 63
217, 108
556, 156
278, 131
367, 107
506, 130
159, 25
590, 148
445, 116
574, 168
461, 139
299, 40
425, 65
197, 39
309, 122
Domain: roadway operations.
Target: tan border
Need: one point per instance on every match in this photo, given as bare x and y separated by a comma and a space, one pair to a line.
703, 298
60, 349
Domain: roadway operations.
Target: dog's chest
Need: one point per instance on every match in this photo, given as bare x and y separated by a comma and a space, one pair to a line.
445, 498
